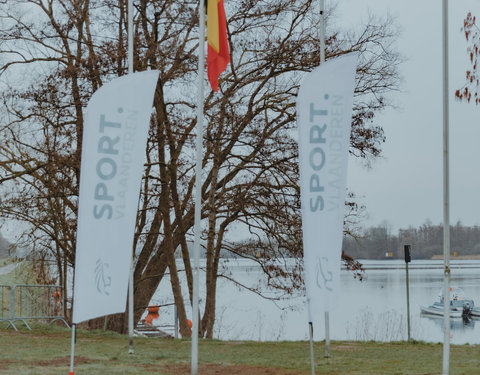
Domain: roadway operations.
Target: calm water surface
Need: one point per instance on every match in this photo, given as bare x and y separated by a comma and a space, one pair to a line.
374, 309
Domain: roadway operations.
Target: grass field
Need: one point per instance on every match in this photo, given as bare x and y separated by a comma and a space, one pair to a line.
46, 351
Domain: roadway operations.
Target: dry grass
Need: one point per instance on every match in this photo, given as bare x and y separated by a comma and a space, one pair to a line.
45, 350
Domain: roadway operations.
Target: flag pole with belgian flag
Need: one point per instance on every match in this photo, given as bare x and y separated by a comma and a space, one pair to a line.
217, 61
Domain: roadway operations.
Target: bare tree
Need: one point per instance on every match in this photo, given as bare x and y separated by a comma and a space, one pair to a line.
250, 169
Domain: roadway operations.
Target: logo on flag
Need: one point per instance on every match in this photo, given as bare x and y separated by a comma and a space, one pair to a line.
102, 280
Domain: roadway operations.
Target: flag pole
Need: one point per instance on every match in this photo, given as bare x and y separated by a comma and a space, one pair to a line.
130, 36
72, 352
198, 187
327, 318
446, 196
322, 31
74, 330
130, 311
310, 330
322, 60
130, 281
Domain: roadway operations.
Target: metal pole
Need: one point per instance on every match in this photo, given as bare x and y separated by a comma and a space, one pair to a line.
72, 352
130, 311
408, 303
198, 186
322, 31
130, 36
312, 360
327, 334
130, 281
322, 60
11, 303
446, 195
74, 329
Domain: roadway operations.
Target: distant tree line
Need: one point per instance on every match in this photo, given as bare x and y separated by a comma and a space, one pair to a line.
426, 241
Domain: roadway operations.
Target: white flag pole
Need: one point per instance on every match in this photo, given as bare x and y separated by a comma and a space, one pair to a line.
322, 60
446, 196
74, 331
130, 281
130, 311
72, 352
322, 31
310, 329
310, 318
130, 36
198, 186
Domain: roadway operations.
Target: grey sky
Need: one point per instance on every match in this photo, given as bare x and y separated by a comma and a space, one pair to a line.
405, 187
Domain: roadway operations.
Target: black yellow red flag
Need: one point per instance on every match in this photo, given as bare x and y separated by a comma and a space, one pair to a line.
218, 56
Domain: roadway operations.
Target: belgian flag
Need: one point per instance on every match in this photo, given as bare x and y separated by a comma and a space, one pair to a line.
218, 56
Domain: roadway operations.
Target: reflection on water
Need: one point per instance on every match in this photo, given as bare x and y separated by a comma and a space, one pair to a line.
464, 323
375, 309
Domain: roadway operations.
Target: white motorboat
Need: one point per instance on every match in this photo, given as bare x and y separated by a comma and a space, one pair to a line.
460, 306
475, 312
438, 311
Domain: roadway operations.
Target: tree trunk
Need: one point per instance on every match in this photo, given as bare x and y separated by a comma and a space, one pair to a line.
146, 283
209, 320
211, 275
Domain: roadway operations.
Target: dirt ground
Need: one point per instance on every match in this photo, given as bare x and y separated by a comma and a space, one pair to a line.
171, 369
214, 369
55, 362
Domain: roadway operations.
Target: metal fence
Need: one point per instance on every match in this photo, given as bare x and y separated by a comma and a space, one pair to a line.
4, 301
22, 302
171, 315
151, 327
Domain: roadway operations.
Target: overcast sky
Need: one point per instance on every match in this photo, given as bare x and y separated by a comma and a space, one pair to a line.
405, 187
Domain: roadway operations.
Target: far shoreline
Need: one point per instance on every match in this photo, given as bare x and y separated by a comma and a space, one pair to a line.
460, 257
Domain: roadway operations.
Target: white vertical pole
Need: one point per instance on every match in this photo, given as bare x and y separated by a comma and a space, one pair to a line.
322, 31
72, 352
130, 36
312, 359
322, 60
130, 311
130, 281
408, 301
310, 329
446, 194
198, 186
327, 334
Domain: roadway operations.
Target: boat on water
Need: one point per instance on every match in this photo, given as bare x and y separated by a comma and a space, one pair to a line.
460, 306
475, 312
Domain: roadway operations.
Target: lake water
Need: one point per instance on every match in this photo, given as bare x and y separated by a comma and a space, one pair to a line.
373, 309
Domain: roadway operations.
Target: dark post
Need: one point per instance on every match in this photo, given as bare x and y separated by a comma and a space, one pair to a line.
407, 260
